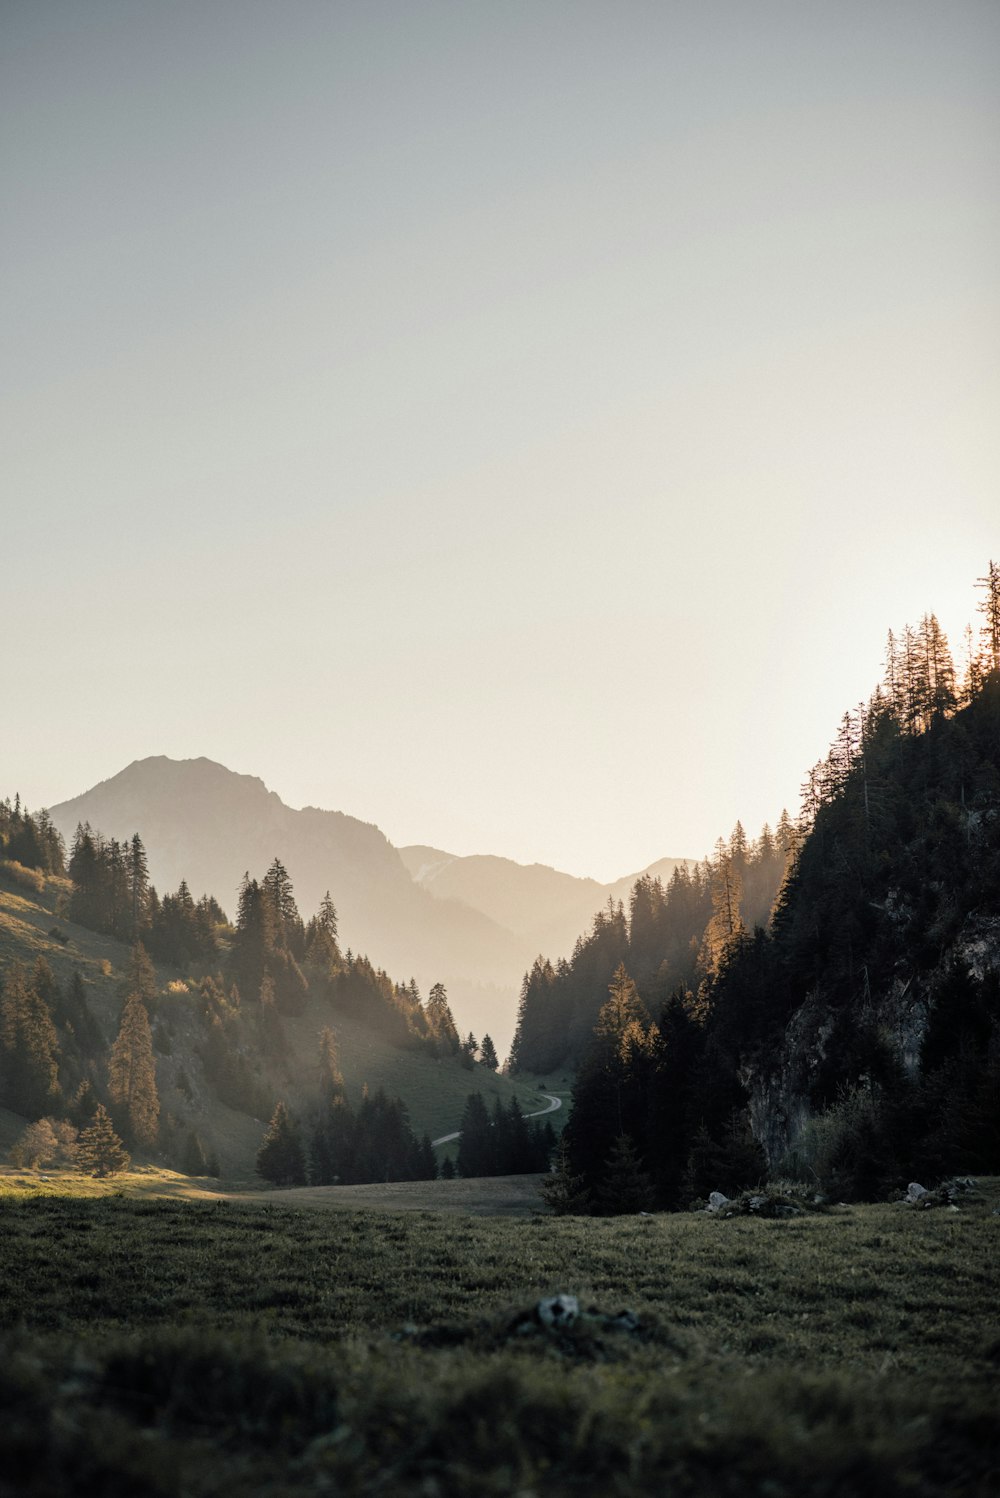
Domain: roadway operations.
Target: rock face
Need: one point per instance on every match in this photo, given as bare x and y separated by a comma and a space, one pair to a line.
779, 1091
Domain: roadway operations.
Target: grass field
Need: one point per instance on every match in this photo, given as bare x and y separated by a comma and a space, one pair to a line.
185, 1347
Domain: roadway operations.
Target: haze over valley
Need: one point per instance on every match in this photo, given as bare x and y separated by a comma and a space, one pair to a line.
474, 923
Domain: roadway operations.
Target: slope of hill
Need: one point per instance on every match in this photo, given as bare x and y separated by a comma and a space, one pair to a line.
434, 1090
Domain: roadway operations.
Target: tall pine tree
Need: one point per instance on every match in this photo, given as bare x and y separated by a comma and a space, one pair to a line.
132, 1074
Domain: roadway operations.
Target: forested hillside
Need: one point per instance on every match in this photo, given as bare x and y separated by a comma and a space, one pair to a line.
855, 1038
187, 1032
670, 936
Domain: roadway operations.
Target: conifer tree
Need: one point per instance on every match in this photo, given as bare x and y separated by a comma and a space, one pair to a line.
99, 1151
321, 938
475, 1145
626, 1187
726, 923
564, 1191
488, 1054
132, 1073
29, 1048
281, 1158
990, 610
140, 975
138, 884
440, 1023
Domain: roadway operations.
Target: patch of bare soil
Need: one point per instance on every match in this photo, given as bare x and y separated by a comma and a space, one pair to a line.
483, 1196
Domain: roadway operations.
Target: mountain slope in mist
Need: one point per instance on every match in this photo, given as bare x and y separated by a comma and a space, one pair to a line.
476, 924
547, 908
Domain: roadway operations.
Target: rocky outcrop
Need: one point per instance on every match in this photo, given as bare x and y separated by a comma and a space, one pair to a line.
780, 1086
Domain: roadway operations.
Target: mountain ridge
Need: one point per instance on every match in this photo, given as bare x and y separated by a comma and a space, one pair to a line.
205, 823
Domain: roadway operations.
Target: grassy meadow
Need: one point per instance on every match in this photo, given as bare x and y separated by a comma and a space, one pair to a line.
172, 1346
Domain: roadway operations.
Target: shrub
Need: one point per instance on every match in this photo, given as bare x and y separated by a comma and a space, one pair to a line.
36, 1146
848, 1148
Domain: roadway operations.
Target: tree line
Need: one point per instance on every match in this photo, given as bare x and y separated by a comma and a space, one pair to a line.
672, 935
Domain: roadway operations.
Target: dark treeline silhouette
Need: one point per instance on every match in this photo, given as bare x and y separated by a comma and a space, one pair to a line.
341, 1145
502, 1142
868, 1010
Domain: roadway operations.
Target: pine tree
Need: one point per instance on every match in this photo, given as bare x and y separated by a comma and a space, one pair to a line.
440, 1023
626, 1187
99, 1151
276, 888
488, 1054
321, 938
990, 610
254, 938
132, 1073
29, 1048
140, 975
562, 1190
138, 883
281, 1158
726, 923
475, 1147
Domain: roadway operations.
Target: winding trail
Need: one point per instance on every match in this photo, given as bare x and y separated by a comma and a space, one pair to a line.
554, 1103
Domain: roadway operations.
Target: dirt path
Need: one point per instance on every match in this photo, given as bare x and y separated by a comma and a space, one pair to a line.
554, 1103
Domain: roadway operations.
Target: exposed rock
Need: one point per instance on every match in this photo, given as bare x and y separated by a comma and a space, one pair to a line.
558, 1311
779, 1092
945, 1195
716, 1201
556, 1326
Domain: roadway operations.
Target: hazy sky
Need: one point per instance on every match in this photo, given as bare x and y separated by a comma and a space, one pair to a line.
514, 424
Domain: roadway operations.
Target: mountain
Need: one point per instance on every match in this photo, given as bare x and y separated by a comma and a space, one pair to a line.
475, 924
204, 823
547, 908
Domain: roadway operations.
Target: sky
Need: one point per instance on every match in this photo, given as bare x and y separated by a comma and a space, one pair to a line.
513, 424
